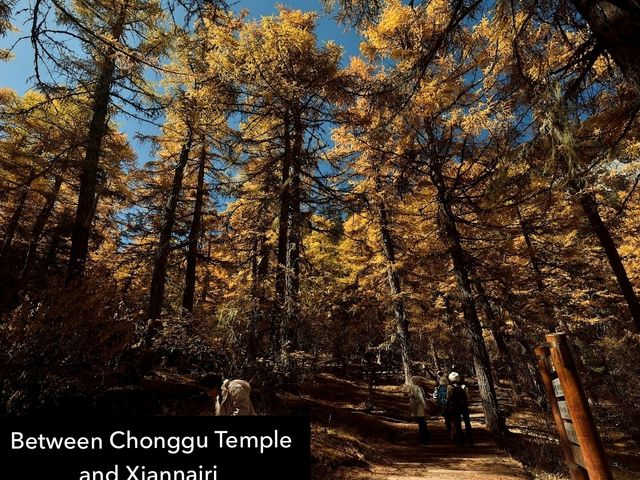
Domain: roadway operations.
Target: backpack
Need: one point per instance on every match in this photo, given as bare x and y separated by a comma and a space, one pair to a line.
440, 395
458, 399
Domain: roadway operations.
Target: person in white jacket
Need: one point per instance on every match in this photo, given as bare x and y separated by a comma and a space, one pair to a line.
231, 397
418, 406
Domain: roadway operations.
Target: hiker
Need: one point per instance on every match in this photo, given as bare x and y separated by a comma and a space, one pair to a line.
231, 397
418, 406
440, 397
458, 405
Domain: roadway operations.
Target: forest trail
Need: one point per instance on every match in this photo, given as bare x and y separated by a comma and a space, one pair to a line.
390, 437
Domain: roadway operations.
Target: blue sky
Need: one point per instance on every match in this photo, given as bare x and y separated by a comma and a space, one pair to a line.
17, 72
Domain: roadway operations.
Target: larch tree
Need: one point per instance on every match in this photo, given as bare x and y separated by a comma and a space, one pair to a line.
120, 40
42, 146
372, 146
216, 99
453, 132
6, 7
196, 123
179, 152
284, 81
583, 112
616, 26
612, 25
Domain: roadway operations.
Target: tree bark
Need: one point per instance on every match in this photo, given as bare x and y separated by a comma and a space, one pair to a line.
552, 318
260, 268
533, 258
395, 286
36, 233
194, 234
283, 231
492, 323
259, 271
434, 354
505, 355
292, 277
462, 268
89, 169
51, 257
16, 216
158, 277
206, 281
577, 186
11, 297
589, 206
616, 26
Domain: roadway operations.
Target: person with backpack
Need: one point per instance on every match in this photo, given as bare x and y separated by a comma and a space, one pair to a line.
458, 405
230, 397
418, 406
440, 397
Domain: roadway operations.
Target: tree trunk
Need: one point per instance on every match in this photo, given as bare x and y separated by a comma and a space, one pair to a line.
434, 354
492, 323
292, 277
533, 258
36, 233
260, 268
616, 26
462, 268
14, 221
283, 231
259, 271
206, 281
194, 234
505, 356
577, 186
449, 311
158, 277
589, 206
90, 166
12, 296
395, 287
51, 257
552, 318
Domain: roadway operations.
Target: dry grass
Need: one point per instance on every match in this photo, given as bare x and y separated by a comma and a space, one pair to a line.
534, 442
332, 448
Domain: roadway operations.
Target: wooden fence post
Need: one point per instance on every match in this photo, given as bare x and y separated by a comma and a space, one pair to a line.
585, 433
542, 355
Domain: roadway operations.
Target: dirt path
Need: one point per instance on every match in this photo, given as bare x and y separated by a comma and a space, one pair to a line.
404, 460
390, 437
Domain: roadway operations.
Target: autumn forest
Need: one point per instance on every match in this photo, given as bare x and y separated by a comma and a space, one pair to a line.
465, 185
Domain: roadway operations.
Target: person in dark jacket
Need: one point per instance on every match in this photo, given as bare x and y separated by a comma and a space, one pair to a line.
458, 405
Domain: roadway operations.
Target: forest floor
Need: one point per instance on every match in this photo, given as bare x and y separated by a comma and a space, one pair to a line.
350, 442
